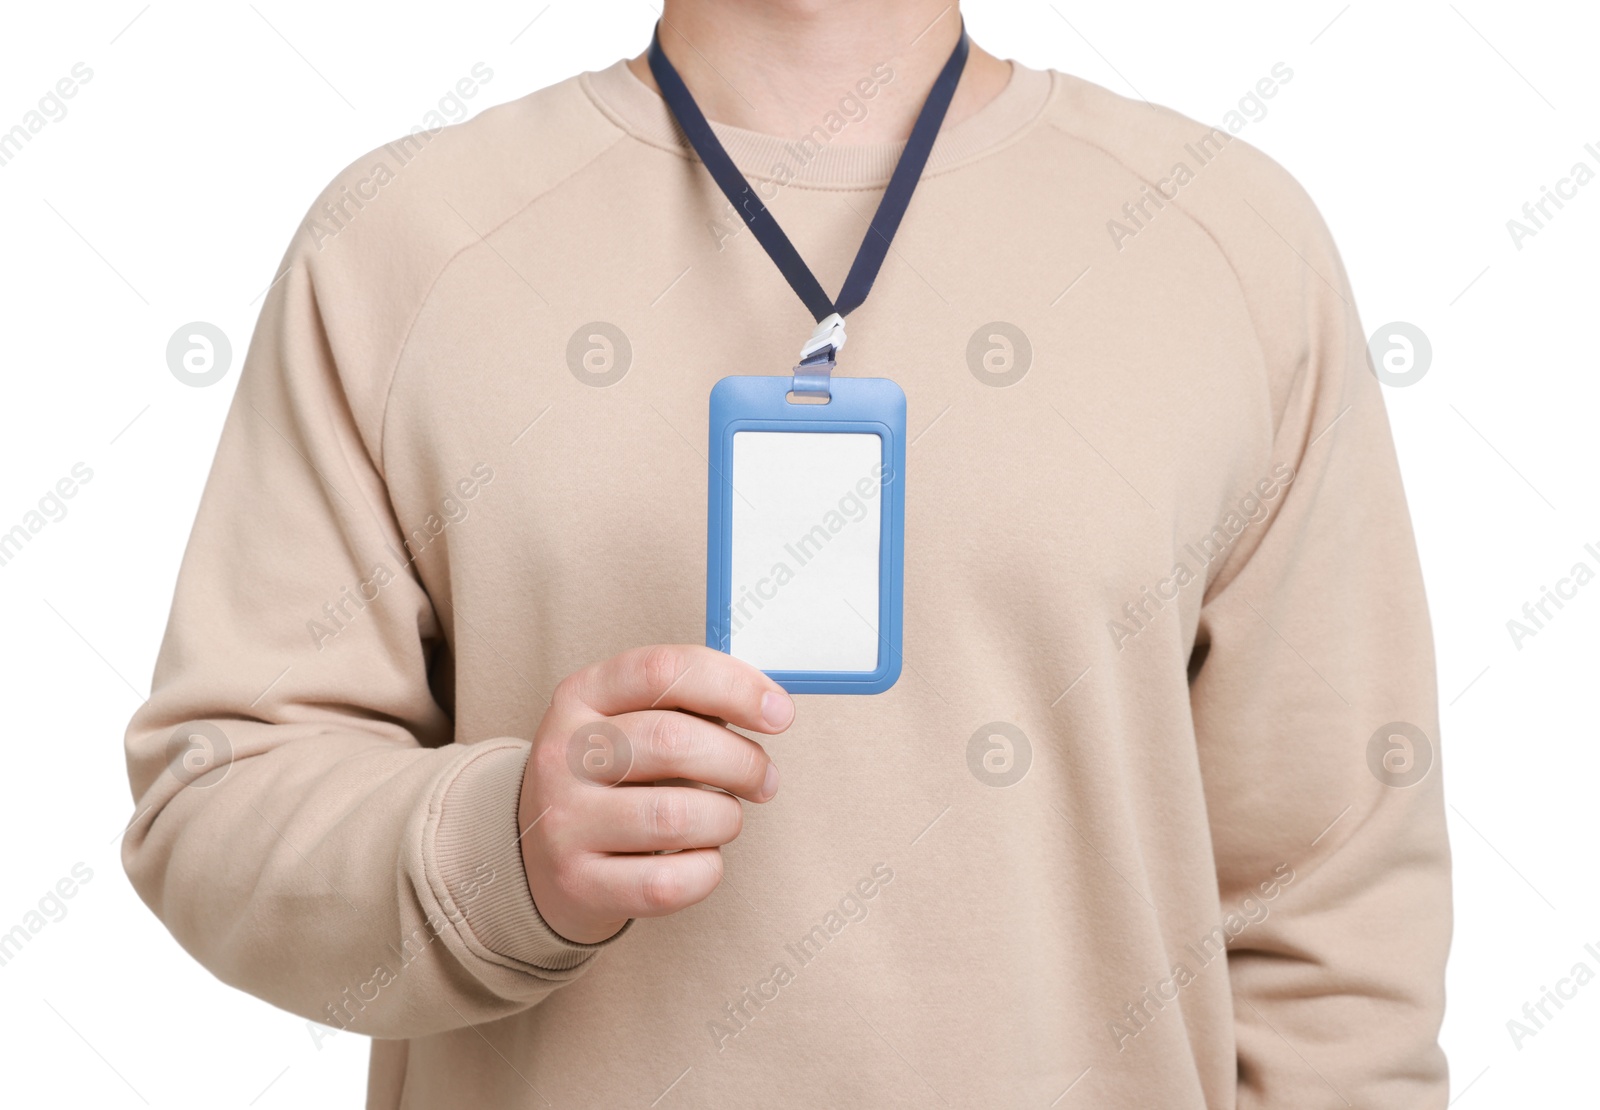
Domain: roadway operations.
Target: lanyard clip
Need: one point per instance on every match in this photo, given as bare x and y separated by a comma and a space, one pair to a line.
813, 376
829, 333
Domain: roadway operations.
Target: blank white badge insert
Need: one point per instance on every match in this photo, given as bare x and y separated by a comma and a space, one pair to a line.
806, 531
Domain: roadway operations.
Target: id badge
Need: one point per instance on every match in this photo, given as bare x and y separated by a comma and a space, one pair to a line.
806, 532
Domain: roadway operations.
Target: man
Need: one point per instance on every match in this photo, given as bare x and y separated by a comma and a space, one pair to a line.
1132, 828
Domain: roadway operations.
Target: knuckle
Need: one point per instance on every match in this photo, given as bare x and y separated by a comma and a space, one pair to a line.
660, 667
660, 888
673, 735
571, 878
568, 694
555, 828
549, 758
668, 815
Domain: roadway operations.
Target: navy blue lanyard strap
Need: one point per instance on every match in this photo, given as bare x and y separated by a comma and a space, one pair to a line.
746, 201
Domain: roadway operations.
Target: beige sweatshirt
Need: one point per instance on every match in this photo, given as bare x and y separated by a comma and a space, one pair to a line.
1162, 613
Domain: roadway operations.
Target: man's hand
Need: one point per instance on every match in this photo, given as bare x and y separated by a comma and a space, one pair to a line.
591, 819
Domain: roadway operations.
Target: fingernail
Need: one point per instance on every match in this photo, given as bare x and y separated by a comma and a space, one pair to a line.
777, 710
770, 786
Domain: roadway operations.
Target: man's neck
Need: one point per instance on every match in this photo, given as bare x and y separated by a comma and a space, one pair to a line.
780, 67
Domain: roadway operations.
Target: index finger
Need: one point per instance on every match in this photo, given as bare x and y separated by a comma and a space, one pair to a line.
688, 677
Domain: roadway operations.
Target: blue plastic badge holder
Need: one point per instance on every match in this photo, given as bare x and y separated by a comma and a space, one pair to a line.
863, 406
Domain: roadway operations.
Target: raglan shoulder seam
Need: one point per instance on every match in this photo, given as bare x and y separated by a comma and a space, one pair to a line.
444, 267
1198, 222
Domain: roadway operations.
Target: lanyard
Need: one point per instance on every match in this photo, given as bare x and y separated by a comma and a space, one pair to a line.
817, 356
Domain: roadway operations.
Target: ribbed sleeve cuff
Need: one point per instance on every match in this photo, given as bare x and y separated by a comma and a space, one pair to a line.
479, 863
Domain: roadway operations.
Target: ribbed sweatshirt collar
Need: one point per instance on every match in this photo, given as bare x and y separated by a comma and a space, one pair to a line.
825, 160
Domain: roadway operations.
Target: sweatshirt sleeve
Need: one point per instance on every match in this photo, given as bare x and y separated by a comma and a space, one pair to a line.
1316, 716
305, 825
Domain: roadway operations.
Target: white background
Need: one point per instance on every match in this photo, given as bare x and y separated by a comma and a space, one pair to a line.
171, 188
